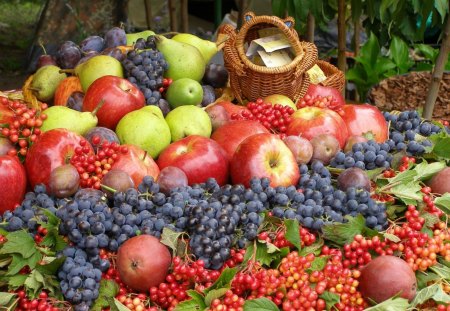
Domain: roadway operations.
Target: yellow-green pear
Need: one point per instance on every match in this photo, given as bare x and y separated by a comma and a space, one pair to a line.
133, 37
145, 128
206, 47
185, 60
45, 81
96, 67
65, 117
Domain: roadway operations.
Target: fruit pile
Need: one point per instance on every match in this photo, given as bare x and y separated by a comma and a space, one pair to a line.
130, 180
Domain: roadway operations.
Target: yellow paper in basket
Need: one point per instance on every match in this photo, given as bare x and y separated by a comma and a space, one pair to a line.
316, 75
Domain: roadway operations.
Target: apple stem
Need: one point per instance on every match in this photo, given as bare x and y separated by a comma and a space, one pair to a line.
71, 71
41, 44
105, 187
97, 108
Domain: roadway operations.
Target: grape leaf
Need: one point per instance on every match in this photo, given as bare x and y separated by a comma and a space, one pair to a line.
425, 170
17, 280
5, 298
314, 248
441, 146
215, 294
34, 283
53, 239
441, 296
318, 264
393, 210
260, 304
392, 304
224, 280
330, 299
424, 277
409, 193
441, 270
170, 238
19, 242
52, 265
293, 233
261, 253
425, 294
107, 288
443, 202
403, 177
342, 233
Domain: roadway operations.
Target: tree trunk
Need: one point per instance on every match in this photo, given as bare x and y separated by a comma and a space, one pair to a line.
438, 70
310, 25
341, 37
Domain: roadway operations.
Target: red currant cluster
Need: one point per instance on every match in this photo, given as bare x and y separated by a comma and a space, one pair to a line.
42, 303
165, 85
406, 162
93, 166
358, 252
236, 257
20, 124
230, 302
184, 276
2, 239
321, 102
429, 202
40, 235
275, 118
136, 302
279, 240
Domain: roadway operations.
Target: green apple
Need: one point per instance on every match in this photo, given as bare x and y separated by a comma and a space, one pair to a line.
279, 99
184, 91
188, 120
145, 128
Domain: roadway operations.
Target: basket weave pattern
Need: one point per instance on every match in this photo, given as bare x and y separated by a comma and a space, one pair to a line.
250, 81
335, 77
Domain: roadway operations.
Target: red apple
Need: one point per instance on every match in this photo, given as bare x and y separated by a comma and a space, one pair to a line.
142, 262
301, 148
309, 122
13, 181
365, 118
53, 148
230, 135
218, 115
231, 108
119, 96
440, 183
137, 163
199, 157
324, 91
264, 155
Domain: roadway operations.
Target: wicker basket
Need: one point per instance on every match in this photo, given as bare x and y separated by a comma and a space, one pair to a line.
335, 77
250, 81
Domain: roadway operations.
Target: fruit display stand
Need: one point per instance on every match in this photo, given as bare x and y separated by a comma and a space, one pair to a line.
135, 174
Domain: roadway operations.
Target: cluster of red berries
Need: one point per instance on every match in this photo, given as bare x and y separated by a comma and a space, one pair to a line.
136, 302
278, 238
42, 303
328, 102
20, 124
275, 118
406, 162
230, 302
92, 166
417, 248
165, 85
40, 235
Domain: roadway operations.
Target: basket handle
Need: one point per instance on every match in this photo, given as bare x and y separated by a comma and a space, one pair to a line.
230, 31
285, 25
309, 59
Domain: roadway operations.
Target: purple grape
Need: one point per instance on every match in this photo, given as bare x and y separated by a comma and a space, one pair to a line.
164, 106
114, 52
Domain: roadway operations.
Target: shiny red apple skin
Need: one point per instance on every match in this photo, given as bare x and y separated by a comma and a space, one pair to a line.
53, 148
119, 96
137, 163
364, 118
230, 135
264, 155
309, 122
199, 157
13, 181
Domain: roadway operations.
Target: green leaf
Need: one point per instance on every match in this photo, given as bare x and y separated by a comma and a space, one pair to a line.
53, 240
370, 51
404, 177
17, 263
52, 220
426, 170
318, 263
116, 305
314, 248
108, 288
408, 193
34, 283
19, 242
261, 254
425, 294
392, 304
430, 219
215, 294
51, 268
441, 296
442, 148
424, 277
427, 51
224, 280
5, 298
330, 299
343, 233
17, 280
279, 8
387, 5
391, 237
393, 210
356, 6
441, 6
441, 270
443, 202
195, 304
293, 233
260, 304
170, 238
